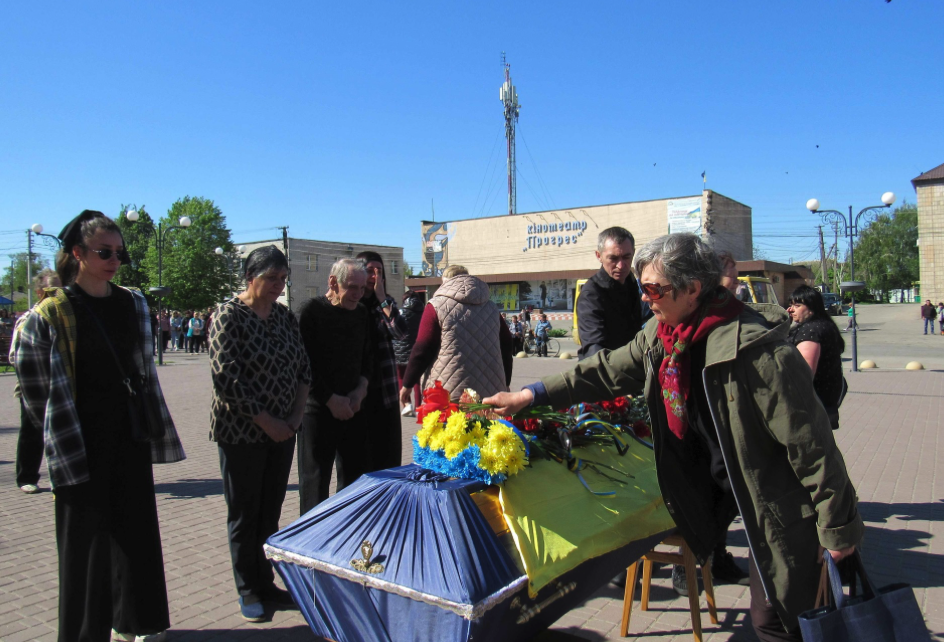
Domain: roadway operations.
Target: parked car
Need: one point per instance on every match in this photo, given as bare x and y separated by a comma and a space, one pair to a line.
833, 303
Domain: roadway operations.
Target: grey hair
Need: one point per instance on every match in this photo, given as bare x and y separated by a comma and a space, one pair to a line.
682, 259
263, 259
616, 234
343, 268
44, 279
453, 270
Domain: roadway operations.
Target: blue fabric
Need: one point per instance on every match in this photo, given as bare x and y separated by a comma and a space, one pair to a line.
429, 535
348, 612
541, 398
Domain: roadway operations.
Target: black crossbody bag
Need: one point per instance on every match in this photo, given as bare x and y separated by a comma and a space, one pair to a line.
146, 423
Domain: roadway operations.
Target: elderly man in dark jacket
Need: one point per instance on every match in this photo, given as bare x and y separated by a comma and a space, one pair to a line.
609, 313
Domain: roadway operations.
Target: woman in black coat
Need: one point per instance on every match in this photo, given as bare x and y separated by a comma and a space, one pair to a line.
412, 312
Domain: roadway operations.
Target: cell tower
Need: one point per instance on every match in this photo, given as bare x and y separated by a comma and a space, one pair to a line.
509, 98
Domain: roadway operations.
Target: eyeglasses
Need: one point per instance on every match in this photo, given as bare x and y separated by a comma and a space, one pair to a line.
655, 291
105, 254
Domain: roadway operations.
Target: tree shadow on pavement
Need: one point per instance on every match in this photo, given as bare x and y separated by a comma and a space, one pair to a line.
195, 488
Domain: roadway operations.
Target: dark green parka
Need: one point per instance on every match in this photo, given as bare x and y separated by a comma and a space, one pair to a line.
786, 472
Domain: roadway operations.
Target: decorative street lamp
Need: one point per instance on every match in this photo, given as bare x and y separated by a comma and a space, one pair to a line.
160, 291
36, 229
229, 263
852, 230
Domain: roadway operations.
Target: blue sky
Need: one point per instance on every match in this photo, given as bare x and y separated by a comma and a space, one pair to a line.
344, 120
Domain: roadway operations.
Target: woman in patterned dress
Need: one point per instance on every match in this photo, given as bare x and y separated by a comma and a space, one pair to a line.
261, 376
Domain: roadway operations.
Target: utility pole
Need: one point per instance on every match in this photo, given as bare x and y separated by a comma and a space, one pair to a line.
29, 269
836, 259
288, 283
509, 97
822, 257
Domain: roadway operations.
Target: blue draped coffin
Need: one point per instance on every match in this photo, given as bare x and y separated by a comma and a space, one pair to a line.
439, 570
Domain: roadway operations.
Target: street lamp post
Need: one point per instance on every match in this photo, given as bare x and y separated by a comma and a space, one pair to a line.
36, 229
229, 263
160, 291
852, 230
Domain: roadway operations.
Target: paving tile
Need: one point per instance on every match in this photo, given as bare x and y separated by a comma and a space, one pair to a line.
890, 437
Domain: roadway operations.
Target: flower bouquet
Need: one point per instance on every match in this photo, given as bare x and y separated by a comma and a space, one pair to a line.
467, 440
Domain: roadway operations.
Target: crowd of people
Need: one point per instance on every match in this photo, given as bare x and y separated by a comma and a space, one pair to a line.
743, 401
180, 331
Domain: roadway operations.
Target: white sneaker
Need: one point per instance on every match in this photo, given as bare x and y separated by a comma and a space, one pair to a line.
131, 637
30, 489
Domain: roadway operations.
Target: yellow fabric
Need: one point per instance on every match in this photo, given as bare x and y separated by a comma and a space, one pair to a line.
558, 524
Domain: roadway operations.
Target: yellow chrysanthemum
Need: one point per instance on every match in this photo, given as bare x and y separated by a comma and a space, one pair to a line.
437, 440
478, 435
432, 419
500, 437
490, 463
515, 461
431, 427
422, 437
453, 448
456, 439
456, 420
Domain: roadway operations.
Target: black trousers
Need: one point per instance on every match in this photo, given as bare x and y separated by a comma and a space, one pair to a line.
255, 478
29, 450
111, 567
766, 620
384, 434
322, 442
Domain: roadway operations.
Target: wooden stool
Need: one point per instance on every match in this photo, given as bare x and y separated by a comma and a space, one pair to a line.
687, 560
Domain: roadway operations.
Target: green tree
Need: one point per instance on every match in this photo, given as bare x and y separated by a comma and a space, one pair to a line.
887, 251
138, 238
197, 276
15, 277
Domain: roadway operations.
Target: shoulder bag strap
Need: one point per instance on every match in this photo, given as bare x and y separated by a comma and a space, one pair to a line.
76, 297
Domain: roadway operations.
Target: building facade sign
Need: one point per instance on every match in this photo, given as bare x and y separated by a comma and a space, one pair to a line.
554, 234
684, 215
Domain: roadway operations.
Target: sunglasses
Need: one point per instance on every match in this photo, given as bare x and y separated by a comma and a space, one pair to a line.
655, 291
106, 254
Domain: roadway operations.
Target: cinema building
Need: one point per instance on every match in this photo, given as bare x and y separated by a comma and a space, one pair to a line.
536, 258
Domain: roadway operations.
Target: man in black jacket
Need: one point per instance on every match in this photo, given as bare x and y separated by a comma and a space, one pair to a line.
609, 313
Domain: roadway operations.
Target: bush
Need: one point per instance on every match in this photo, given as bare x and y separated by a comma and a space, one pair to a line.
557, 332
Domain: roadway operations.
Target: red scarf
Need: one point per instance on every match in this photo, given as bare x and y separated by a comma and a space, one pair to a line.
674, 375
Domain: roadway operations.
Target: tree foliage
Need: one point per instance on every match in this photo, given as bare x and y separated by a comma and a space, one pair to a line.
15, 277
197, 276
138, 237
886, 252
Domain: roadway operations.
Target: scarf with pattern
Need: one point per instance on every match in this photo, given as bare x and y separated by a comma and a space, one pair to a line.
674, 373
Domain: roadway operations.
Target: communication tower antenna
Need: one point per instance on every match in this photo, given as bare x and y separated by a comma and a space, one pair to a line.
509, 97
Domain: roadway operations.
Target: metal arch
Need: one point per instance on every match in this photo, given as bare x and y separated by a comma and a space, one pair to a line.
834, 216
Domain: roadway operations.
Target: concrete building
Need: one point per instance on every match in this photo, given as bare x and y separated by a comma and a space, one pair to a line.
930, 189
310, 262
536, 258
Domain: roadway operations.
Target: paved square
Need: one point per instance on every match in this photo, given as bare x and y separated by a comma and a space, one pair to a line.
890, 436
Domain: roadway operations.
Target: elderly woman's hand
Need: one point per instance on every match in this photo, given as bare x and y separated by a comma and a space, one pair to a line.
508, 403
277, 429
340, 407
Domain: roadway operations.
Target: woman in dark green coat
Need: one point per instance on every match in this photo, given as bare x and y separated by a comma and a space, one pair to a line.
736, 427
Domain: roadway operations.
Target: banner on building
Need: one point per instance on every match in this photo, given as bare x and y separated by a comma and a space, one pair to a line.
684, 215
504, 295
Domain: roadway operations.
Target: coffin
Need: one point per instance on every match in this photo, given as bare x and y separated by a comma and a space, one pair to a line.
408, 555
